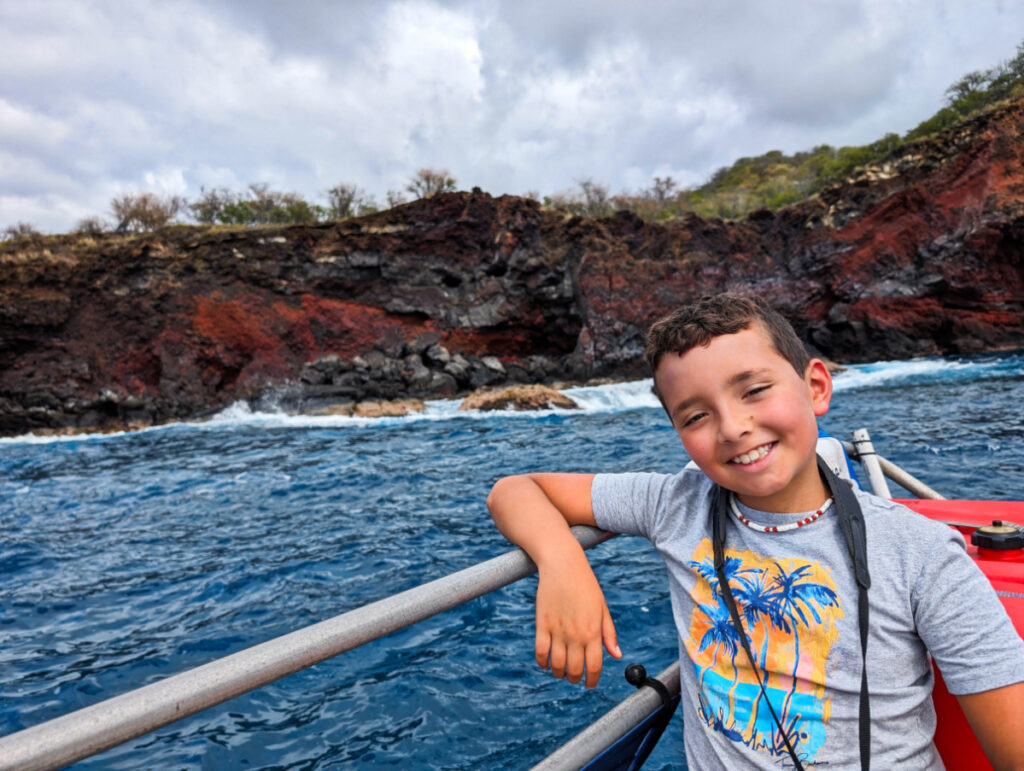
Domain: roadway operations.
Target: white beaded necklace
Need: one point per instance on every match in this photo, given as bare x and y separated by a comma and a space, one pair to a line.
776, 528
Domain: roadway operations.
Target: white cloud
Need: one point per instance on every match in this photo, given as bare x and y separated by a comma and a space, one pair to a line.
177, 95
166, 180
21, 126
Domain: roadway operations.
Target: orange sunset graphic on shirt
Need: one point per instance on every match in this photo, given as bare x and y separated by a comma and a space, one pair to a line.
789, 609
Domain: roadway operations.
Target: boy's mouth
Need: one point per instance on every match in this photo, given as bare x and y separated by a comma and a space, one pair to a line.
753, 455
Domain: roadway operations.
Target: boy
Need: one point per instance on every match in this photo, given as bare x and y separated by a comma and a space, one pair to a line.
743, 396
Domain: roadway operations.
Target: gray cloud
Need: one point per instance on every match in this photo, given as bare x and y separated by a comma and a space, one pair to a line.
97, 99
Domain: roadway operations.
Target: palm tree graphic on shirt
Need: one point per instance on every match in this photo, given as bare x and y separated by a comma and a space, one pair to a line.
789, 609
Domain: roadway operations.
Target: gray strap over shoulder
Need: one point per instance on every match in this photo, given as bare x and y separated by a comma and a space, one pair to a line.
851, 522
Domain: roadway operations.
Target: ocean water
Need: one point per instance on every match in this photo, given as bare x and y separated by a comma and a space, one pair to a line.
128, 558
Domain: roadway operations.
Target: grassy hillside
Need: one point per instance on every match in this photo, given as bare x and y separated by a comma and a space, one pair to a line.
775, 179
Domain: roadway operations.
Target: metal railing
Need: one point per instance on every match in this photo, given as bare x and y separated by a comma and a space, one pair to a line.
106, 724
610, 727
898, 475
865, 452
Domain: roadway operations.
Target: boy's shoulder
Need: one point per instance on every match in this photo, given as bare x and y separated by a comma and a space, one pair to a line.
892, 517
894, 529
689, 482
919, 553
648, 503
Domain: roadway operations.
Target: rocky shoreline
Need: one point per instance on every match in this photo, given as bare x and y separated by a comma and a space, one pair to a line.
422, 368
921, 255
484, 399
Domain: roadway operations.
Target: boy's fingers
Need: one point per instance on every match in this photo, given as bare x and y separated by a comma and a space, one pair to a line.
541, 648
574, 663
611, 641
594, 659
558, 658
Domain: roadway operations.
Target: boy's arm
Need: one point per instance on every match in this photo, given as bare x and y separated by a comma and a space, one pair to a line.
534, 511
987, 652
997, 718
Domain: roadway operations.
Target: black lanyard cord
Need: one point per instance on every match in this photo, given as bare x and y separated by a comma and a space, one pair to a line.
851, 521
718, 540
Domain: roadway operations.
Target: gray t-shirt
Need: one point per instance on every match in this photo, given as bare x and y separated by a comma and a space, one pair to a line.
798, 601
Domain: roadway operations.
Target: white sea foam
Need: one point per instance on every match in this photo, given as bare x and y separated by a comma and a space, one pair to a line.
882, 373
615, 397
632, 395
85, 436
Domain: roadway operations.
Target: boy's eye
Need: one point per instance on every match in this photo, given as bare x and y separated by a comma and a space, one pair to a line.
757, 389
690, 420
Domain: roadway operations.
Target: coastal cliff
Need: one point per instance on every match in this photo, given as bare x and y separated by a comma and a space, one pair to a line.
921, 254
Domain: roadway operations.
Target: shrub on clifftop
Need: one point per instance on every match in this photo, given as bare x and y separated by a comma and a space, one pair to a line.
258, 206
349, 201
137, 212
20, 230
974, 92
427, 182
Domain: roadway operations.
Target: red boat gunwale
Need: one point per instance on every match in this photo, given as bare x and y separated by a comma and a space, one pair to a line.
1005, 570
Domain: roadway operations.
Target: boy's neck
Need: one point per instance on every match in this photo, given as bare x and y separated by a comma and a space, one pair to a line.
808, 496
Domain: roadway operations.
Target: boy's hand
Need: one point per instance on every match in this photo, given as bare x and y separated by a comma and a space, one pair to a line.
573, 621
535, 511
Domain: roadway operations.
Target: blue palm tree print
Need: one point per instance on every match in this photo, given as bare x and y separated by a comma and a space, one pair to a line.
788, 610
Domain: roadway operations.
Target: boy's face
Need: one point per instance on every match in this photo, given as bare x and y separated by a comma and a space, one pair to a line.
747, 418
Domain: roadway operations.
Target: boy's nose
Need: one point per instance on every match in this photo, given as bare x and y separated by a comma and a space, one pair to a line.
733, 424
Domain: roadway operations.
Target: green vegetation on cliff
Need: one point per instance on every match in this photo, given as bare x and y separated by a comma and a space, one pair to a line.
775, 179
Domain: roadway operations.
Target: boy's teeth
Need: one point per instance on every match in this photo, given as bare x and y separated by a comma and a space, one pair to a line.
750, 457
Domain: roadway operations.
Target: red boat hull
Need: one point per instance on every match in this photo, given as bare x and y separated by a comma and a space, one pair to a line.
1005, 569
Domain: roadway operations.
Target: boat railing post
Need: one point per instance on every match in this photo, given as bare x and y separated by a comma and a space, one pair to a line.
899, 475
869, 460
611, 726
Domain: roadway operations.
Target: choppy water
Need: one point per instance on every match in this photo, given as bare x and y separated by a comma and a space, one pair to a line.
127, 558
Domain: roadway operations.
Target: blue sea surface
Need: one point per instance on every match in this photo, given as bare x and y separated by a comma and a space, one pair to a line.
128, 558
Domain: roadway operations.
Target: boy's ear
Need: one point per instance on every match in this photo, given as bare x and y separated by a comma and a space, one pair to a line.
819, 381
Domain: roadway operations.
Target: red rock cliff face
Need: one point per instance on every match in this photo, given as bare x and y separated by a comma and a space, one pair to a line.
921, 255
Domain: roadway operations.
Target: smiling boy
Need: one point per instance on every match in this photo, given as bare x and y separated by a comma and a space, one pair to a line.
744, 396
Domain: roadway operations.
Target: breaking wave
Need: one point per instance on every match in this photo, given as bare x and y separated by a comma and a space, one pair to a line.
614, 397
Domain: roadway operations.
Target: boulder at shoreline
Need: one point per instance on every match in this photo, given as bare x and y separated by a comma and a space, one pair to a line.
525, 397
397, 408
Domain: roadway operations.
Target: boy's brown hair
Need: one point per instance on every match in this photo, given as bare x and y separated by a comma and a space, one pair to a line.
723, 314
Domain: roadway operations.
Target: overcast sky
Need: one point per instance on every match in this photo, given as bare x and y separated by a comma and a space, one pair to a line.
101, 98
